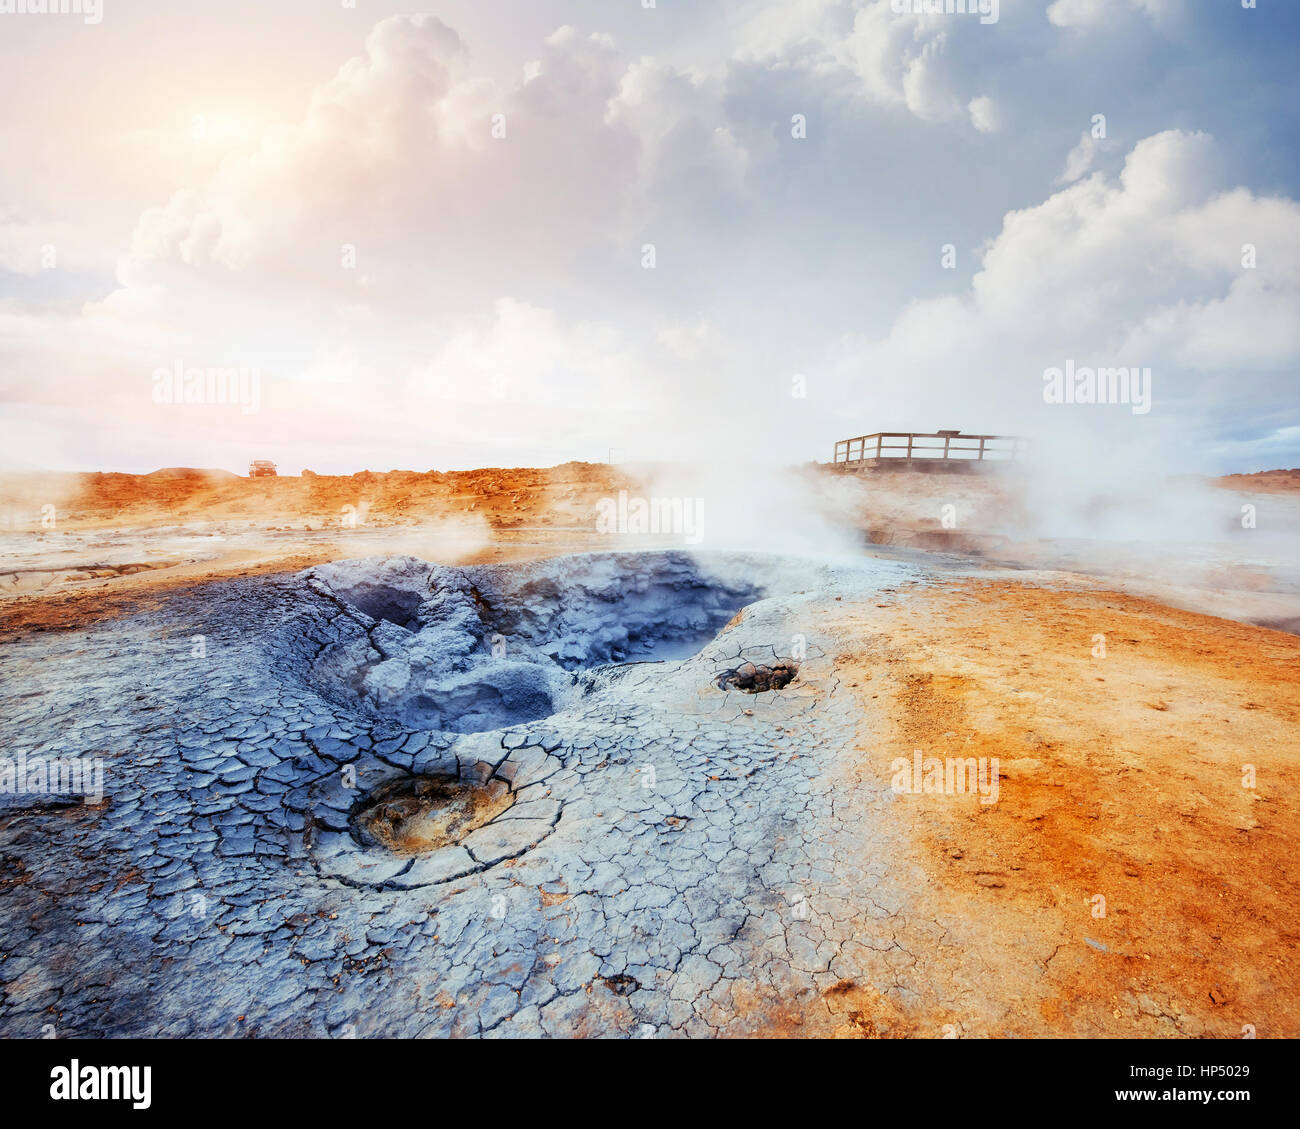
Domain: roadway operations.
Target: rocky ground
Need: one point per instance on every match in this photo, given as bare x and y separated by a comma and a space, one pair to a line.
588, 827
115, 538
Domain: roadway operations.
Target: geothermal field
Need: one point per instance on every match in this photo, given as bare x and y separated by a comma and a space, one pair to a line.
704, 528
431, 754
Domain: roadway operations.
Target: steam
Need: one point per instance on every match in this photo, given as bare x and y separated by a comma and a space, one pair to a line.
1077, 504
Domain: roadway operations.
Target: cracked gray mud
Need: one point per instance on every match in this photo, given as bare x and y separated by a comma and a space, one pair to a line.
401, 799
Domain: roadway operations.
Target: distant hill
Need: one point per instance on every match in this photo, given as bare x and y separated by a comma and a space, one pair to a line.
191, 472
1263, 481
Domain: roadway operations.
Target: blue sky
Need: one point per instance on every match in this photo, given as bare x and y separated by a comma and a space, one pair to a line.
181, 181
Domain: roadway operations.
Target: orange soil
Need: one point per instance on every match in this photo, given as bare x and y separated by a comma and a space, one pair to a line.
504, 497
1121, 776
1263, 482
286, 524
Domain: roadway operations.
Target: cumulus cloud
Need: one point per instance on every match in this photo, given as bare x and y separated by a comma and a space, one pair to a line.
442, 263
680, 124
1143, 271
380, 259
884, 57
445, 184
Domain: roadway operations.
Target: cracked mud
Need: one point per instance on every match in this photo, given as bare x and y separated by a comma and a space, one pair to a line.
286, 845
619, 831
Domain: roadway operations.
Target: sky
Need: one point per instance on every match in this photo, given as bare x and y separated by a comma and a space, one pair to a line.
490, 233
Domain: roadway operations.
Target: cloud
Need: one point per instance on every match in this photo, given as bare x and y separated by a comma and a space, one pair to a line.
378, 261
1143, 271
450, 189
882, 57
440, 263
1092, 14
30, 245
22, 243
680, 123
984, 114
1079, 159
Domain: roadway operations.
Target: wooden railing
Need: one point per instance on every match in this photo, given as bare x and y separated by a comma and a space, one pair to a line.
936, 445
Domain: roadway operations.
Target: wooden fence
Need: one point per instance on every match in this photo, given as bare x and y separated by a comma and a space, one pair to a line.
908, 447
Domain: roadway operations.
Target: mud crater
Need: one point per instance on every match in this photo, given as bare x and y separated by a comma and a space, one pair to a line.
752, 678
417, 814
469, 650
